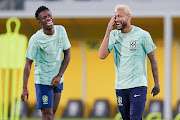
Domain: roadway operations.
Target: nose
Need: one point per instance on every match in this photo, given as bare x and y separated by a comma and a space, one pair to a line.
48, 18
117, 19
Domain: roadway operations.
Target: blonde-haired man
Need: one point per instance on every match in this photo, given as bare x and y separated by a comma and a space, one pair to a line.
130, 46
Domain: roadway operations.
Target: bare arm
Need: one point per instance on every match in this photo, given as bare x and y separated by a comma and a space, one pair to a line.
103, 50
56, 80
154, 67
27, 70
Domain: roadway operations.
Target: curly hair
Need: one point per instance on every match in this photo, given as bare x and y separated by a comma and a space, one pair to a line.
40, 9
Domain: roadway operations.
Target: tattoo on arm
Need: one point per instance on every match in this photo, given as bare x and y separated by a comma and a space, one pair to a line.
107, 36
154, 66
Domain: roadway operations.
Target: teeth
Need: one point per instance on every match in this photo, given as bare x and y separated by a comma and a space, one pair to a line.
119, 23
49, 23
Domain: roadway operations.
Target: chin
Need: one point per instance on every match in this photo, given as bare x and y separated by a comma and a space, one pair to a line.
118, 28
49, 28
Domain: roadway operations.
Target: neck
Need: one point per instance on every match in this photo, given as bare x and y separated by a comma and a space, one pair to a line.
127, 29
48, 31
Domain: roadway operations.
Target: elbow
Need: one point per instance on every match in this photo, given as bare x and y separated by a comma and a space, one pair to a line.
102, 56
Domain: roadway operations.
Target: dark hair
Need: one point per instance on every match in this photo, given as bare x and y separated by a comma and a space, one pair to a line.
40, 9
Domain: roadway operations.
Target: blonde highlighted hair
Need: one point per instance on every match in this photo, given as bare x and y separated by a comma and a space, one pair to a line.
127, 9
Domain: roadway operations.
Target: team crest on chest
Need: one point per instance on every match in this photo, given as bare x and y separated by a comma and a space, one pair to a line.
132, 45
60, 42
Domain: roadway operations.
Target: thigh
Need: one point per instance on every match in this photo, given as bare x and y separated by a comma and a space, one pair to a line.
137, 102
57, 96
123, 103
44, 96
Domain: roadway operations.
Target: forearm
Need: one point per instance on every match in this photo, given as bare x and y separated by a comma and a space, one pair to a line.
154, 67
103, 50
155, 72
64, 65
27, 70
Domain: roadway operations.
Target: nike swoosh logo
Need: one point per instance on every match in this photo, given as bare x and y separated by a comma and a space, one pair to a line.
45, 47
137, 95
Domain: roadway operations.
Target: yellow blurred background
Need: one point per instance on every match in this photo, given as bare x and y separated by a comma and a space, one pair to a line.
86, 35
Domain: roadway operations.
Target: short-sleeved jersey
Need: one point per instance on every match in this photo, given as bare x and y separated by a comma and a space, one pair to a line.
130, 53
47, 53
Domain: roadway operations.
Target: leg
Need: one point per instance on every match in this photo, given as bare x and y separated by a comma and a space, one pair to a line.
137, 102
45, 98
47, 113
123, 103
57, 97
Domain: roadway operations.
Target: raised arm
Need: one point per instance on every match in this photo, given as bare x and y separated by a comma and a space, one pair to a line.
154, 67
103, 50
27, 70
56, 80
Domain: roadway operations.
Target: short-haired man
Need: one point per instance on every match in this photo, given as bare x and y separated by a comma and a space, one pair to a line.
130, 46
46, 48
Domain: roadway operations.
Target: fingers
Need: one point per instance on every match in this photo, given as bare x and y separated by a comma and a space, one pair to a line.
112, 21
24, 97
27, 96
54, 84
155, 91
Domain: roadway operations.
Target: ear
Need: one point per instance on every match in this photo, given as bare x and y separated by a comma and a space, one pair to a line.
39, 22
129, 17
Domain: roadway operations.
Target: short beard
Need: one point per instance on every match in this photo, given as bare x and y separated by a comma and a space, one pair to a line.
123, 26
46, 28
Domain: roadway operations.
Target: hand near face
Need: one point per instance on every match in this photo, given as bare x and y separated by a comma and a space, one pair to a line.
111, 23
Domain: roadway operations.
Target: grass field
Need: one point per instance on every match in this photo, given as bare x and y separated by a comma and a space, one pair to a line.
71, 119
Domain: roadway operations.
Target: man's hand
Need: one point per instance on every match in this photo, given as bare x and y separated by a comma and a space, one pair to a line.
24, 95
111, 24
55, 82
155, 90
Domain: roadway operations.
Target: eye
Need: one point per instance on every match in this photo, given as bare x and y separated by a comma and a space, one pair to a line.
119, 16
44, 17
50, 15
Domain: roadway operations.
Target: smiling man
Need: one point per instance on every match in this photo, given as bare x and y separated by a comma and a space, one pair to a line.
46, 48
130, 46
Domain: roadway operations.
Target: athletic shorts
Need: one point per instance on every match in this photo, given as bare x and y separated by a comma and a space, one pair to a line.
131, 102
45, 95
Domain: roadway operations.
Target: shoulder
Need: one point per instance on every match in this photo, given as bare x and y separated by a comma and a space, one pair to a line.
141, 32
35, 36
59, 28
114, 32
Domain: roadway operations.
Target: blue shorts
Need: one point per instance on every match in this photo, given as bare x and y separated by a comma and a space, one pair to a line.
131, 102
45, 95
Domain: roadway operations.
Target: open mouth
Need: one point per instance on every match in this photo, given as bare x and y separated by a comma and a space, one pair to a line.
50, 22
118, 24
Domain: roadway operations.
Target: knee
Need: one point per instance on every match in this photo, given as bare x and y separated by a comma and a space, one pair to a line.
47, 114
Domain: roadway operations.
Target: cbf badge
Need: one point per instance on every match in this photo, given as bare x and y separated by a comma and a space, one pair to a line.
45, 99
132, 45
60, 42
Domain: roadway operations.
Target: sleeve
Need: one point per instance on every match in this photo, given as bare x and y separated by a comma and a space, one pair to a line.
67, 44
111, 41
147, 43
32, 49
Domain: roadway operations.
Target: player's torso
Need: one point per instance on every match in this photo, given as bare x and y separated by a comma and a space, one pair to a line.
128, 48
129, 58
50, 47
128, 44
49, 56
